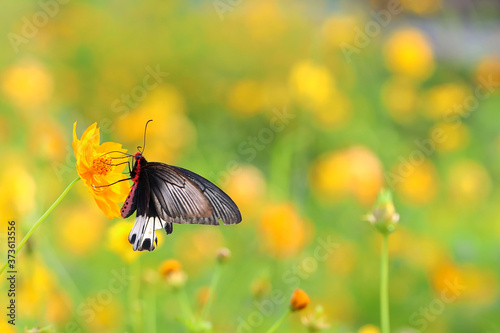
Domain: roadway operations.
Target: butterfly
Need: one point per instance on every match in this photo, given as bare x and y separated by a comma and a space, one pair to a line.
164, 194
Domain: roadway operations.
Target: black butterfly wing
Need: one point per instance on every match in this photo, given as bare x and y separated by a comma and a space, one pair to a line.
181, 196
223, 206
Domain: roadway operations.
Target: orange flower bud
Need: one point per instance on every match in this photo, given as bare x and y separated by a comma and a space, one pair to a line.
300, 300
169, 266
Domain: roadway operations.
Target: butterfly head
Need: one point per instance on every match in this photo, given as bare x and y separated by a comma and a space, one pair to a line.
138, 156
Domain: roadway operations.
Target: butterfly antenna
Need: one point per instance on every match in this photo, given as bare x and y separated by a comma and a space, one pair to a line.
144, 144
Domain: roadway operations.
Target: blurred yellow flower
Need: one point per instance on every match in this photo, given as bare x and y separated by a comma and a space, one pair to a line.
408, 52
432, 252
343, 260
353, 171
340, 29
27, 85
58, 307
481, 285
422, 7
468, 183
265, 21
96, 169
6, 327
246, 97
283, 231
489, 67
419, 186
19, 201
79, 230
400, 97
369, 329
47, 140
203, 243
455, 136
300, 300
247, 187
311, 83
446, 100
170, 131
109, 318
335, 113
118, 241
36, 289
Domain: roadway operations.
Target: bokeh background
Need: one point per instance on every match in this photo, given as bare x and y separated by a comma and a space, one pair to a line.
301, 111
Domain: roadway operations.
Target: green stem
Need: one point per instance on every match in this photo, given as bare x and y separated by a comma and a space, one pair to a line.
213, 287
278, 323
184, 303
37, 223
384, 286
135, 310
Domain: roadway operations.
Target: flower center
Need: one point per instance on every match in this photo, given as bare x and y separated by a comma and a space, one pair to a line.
102, 165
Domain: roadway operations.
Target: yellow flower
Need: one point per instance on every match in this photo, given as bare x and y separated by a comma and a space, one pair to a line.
489, 70
80, 231
446, 100
27, 85
340, 29
422, 7
369, 329
455, 136
246, 97
118, 241
283, 230
420, 185
311, 83
96, 169
469, 183
300, 300
408, 52
247, 187
356, 171
400, 98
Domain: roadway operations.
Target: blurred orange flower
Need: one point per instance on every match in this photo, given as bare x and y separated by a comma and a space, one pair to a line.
300, 300
408, 52
96, 169
355, 171
283, 230
169, 266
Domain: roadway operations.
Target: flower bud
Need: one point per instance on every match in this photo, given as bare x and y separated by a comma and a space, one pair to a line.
300, 300
383, 215
316, 321
223, 255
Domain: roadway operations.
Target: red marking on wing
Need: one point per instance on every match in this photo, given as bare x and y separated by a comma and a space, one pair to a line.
127, 205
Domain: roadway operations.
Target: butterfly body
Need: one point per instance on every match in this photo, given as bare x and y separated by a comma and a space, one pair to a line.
163, 194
